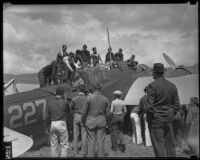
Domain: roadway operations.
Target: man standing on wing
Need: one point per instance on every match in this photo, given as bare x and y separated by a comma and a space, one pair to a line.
85, 56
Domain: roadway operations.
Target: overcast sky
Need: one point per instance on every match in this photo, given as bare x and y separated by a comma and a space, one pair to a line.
33, 34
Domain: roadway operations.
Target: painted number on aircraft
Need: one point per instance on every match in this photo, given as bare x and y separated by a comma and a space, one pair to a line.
28, 116
15, 117
44, 103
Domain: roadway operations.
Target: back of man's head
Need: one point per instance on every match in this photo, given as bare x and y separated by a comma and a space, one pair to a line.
158, 69
71, 54
97, 86
109, 49
81, 88
60, 90
59, 56
64, 46
195, 101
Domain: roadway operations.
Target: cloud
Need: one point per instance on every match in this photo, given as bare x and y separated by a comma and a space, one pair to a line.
34, 33
10, 34
48, 14
18, 65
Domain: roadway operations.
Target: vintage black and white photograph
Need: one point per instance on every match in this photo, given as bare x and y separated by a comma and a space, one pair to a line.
100, 80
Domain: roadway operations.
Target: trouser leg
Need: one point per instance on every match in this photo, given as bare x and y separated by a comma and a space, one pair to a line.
134, 129
158, 141
64, 142
91, 139
120, 133
147, 134
114, 136
54, 145
169, 140
138, 128
84, 147
101, 142
76, 134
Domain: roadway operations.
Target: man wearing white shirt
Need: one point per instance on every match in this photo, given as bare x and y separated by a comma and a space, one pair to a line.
118, 110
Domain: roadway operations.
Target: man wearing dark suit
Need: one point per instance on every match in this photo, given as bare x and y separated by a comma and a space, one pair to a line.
163, 103
94, 115
110, 55
85, 55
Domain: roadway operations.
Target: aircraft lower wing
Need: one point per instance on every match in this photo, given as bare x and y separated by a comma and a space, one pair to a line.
20, 142
187, 87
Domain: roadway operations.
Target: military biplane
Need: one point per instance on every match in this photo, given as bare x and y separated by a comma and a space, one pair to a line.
24, 111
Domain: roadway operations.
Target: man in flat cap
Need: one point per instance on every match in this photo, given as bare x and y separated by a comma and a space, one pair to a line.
56, 114
76, 105
94, 115
163, 104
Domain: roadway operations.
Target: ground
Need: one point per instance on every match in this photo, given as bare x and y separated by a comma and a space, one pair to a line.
132, 150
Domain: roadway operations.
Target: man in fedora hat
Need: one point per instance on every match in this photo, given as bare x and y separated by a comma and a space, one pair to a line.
163, 104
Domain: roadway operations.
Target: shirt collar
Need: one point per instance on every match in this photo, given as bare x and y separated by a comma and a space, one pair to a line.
161, 77
81, 94
58, 96
97, 92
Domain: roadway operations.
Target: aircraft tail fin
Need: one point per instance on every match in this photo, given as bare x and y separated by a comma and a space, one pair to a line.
169, 61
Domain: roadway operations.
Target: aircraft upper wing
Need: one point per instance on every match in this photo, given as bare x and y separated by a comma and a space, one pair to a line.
20, 142
187, 87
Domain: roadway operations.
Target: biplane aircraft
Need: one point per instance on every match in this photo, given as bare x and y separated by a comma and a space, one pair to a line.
24, 112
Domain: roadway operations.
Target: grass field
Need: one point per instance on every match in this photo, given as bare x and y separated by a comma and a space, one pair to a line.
132, 150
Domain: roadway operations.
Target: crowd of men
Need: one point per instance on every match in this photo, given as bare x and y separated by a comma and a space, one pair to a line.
93, 114
62, 70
